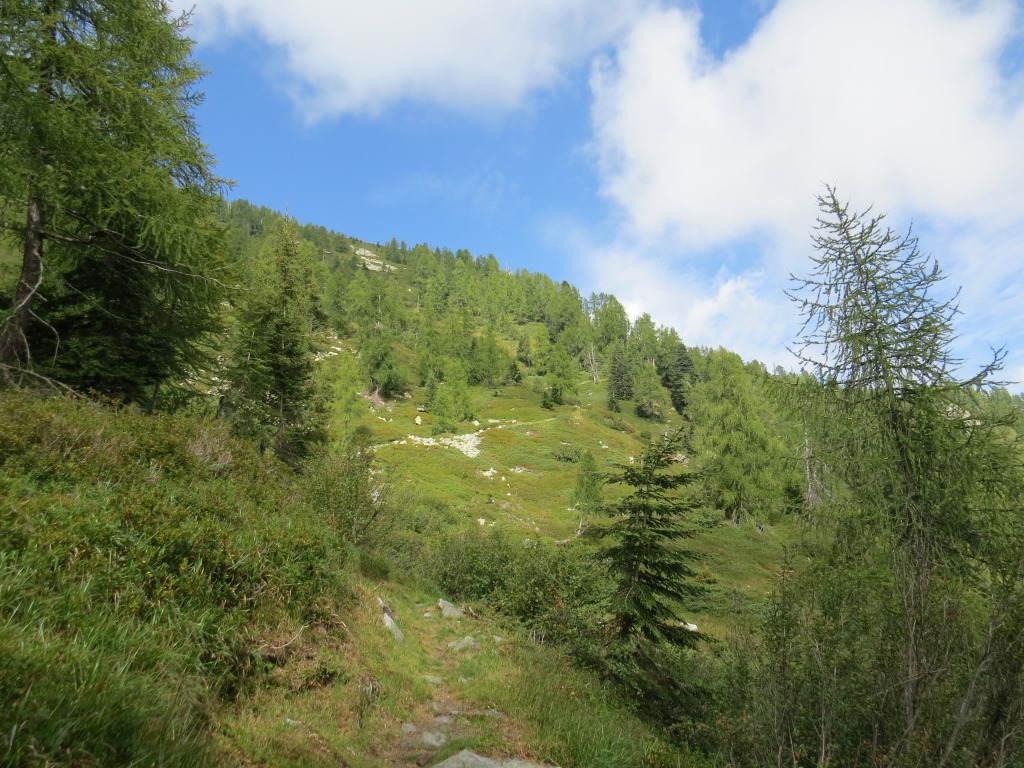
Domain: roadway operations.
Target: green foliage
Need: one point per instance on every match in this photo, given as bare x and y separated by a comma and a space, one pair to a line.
141, 558
742, 461
272, 396
652, 573
488, 362
442, 405
620, 378
609, 319
562, 373
675, 368
524, 349
587, 494
648, 396
110, 192
895, 647
339, 485
568, 453
559, 592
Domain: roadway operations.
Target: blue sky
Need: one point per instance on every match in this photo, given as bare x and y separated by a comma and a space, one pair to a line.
669, 153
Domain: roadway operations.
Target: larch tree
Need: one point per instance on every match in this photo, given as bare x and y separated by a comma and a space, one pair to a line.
903, 647
107, 190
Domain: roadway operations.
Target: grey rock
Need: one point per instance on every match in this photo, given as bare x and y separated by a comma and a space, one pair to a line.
443, 720
496, 714
449, 611
433, 739
465, 644
433, 679
389, 621
468, 759
428, 615
408, 728
390, 624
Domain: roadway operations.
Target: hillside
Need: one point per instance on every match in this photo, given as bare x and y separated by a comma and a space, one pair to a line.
201, 567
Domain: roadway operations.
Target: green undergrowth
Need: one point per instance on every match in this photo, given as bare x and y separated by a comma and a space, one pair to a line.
142, 557
343, 697
521, 485
169, 596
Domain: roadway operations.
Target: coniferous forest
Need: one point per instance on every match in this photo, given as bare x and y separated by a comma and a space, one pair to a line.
242, 458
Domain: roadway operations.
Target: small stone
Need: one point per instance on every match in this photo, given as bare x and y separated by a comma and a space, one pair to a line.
289, 721
443, 720
498, 640
408, 728
434, 739
449, 611
468, 759
433, 679
465, 644
418, 420
427, 615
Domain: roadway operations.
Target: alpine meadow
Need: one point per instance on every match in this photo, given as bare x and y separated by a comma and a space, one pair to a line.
273, 495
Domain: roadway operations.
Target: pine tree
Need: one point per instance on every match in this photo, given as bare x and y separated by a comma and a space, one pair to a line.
675, 367
648, 396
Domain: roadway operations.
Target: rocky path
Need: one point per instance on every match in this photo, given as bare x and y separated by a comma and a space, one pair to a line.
423, 735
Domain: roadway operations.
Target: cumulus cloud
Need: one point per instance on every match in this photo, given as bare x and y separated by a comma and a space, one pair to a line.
901, 105
344, 57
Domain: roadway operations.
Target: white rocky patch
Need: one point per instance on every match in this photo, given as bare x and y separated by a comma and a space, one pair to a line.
467, 444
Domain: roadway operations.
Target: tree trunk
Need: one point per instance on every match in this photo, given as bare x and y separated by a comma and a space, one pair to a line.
13, 339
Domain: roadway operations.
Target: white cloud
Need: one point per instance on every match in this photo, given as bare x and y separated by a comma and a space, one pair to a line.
900, 104
362, 57
747, 313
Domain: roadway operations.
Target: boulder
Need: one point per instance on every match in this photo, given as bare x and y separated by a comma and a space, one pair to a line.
449, 611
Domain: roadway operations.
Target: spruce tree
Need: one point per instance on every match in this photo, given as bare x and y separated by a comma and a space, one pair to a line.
654, 575
272, 395
620, 378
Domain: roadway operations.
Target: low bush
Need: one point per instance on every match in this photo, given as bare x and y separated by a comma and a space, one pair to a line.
140, 558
